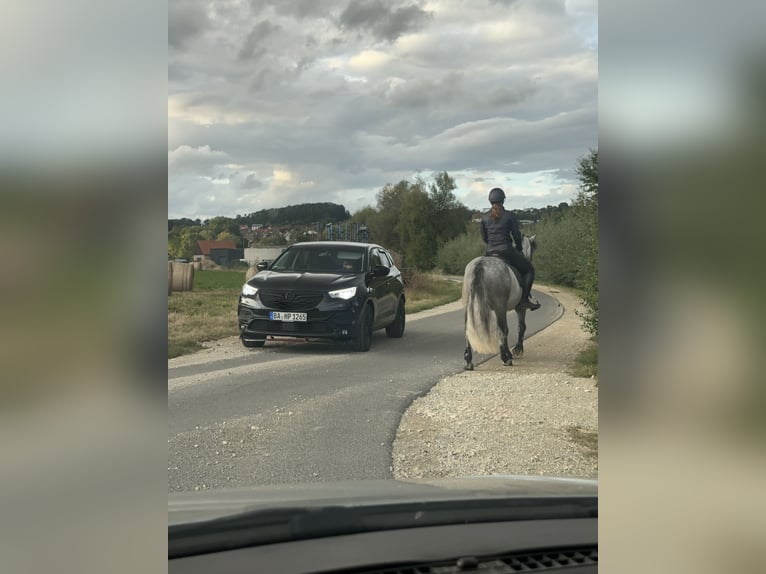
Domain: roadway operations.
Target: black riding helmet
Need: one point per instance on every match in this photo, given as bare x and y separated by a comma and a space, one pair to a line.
496, 195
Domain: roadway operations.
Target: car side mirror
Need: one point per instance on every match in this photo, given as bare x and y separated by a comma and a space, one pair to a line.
380, 271
262, 265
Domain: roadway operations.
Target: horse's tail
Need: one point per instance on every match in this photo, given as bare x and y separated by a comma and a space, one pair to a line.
479, 329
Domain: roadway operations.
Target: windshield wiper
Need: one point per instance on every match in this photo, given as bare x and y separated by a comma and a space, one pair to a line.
269, 526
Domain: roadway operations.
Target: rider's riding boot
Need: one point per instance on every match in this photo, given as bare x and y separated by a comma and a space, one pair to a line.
527, 279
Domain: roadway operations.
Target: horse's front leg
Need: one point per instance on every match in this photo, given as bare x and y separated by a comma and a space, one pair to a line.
518, 350
502, 325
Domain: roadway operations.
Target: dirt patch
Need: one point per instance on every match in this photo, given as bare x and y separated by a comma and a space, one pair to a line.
530, 418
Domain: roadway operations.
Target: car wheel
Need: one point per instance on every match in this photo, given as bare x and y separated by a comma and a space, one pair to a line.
396, 329
364, 336
250, 343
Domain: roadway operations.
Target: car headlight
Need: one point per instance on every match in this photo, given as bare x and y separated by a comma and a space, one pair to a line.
346, 293
248, 290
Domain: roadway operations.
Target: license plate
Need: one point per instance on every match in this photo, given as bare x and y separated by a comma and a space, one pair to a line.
285, 316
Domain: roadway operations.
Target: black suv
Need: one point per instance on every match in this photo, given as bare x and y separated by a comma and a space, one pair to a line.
323, 289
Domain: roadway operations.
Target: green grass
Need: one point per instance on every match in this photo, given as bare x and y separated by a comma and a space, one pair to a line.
210, 311
586, 439
586, 363
198, 316
207, 279
426, 292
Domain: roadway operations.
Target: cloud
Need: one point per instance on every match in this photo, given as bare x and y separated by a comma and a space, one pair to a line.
369, 60
505, 96
185, 159
356, 95
257, 41
186, 20
251, 182
299, 9
378, 17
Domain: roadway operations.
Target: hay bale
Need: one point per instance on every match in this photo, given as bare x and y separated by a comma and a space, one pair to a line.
210, 264
182, 277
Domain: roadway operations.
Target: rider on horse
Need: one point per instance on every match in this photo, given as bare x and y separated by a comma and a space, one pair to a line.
497, 228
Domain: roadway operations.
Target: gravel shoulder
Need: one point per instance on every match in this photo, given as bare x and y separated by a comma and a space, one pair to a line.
531, 418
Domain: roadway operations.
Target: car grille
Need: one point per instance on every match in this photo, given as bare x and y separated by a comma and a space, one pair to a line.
290, 300
290, 328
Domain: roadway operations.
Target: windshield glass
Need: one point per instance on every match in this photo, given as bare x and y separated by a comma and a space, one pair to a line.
320, 260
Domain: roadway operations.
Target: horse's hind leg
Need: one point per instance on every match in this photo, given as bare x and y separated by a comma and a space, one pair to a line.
502, 326
468, 354
518, 350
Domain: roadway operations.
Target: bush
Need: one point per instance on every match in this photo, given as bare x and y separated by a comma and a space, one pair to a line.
559, 257
455, 254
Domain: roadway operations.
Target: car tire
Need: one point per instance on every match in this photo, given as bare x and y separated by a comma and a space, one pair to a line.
396, 329
253, 343
363, 339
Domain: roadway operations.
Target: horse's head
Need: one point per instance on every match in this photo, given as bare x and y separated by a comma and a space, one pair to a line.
528, 246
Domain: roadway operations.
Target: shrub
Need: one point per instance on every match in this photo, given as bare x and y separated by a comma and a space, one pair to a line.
559, 257
455, 254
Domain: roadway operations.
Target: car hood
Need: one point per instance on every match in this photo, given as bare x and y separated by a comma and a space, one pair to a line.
207, 505
302, 281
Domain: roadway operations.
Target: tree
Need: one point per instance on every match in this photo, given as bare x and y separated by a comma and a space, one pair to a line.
587, 205
416, 217
218, 225
416, 228
182, 241
383, 227
450, 215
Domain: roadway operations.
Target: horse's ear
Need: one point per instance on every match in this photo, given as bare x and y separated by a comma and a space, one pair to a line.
532, 239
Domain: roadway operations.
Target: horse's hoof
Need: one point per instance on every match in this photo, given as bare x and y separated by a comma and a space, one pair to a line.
518, 353
508, 363
468, 367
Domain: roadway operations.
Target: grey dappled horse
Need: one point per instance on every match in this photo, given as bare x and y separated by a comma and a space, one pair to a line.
491, 287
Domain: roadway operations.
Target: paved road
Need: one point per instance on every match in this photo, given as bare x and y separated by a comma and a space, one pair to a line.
299, 412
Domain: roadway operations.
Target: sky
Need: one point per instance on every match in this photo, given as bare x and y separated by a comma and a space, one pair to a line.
280, 102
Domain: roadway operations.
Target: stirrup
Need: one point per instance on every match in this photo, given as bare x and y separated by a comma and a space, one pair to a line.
531, 305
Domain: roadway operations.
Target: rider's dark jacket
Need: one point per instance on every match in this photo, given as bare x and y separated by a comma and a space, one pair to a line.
497, 233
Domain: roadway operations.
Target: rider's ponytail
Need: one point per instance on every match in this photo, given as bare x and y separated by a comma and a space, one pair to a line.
497, 210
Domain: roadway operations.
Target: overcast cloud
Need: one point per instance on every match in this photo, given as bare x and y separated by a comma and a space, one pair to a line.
276, 102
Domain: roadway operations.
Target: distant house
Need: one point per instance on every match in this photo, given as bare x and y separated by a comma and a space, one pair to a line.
255, 254
223, 251
225, 257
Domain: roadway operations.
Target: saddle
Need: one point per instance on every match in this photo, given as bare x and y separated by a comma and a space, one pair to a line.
499, 255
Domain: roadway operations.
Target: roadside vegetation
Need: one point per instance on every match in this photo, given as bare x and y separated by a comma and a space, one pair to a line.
206, 280
586, 363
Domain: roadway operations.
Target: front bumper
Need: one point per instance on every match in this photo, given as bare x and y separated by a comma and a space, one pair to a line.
333, 320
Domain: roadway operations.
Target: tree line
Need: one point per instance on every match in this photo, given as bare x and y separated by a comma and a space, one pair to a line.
302, 214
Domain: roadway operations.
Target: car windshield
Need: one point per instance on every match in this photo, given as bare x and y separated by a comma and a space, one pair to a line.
320, 260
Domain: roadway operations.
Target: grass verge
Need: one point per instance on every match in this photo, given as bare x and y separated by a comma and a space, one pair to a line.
206, 280
198, 316
586, 363
426, 292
